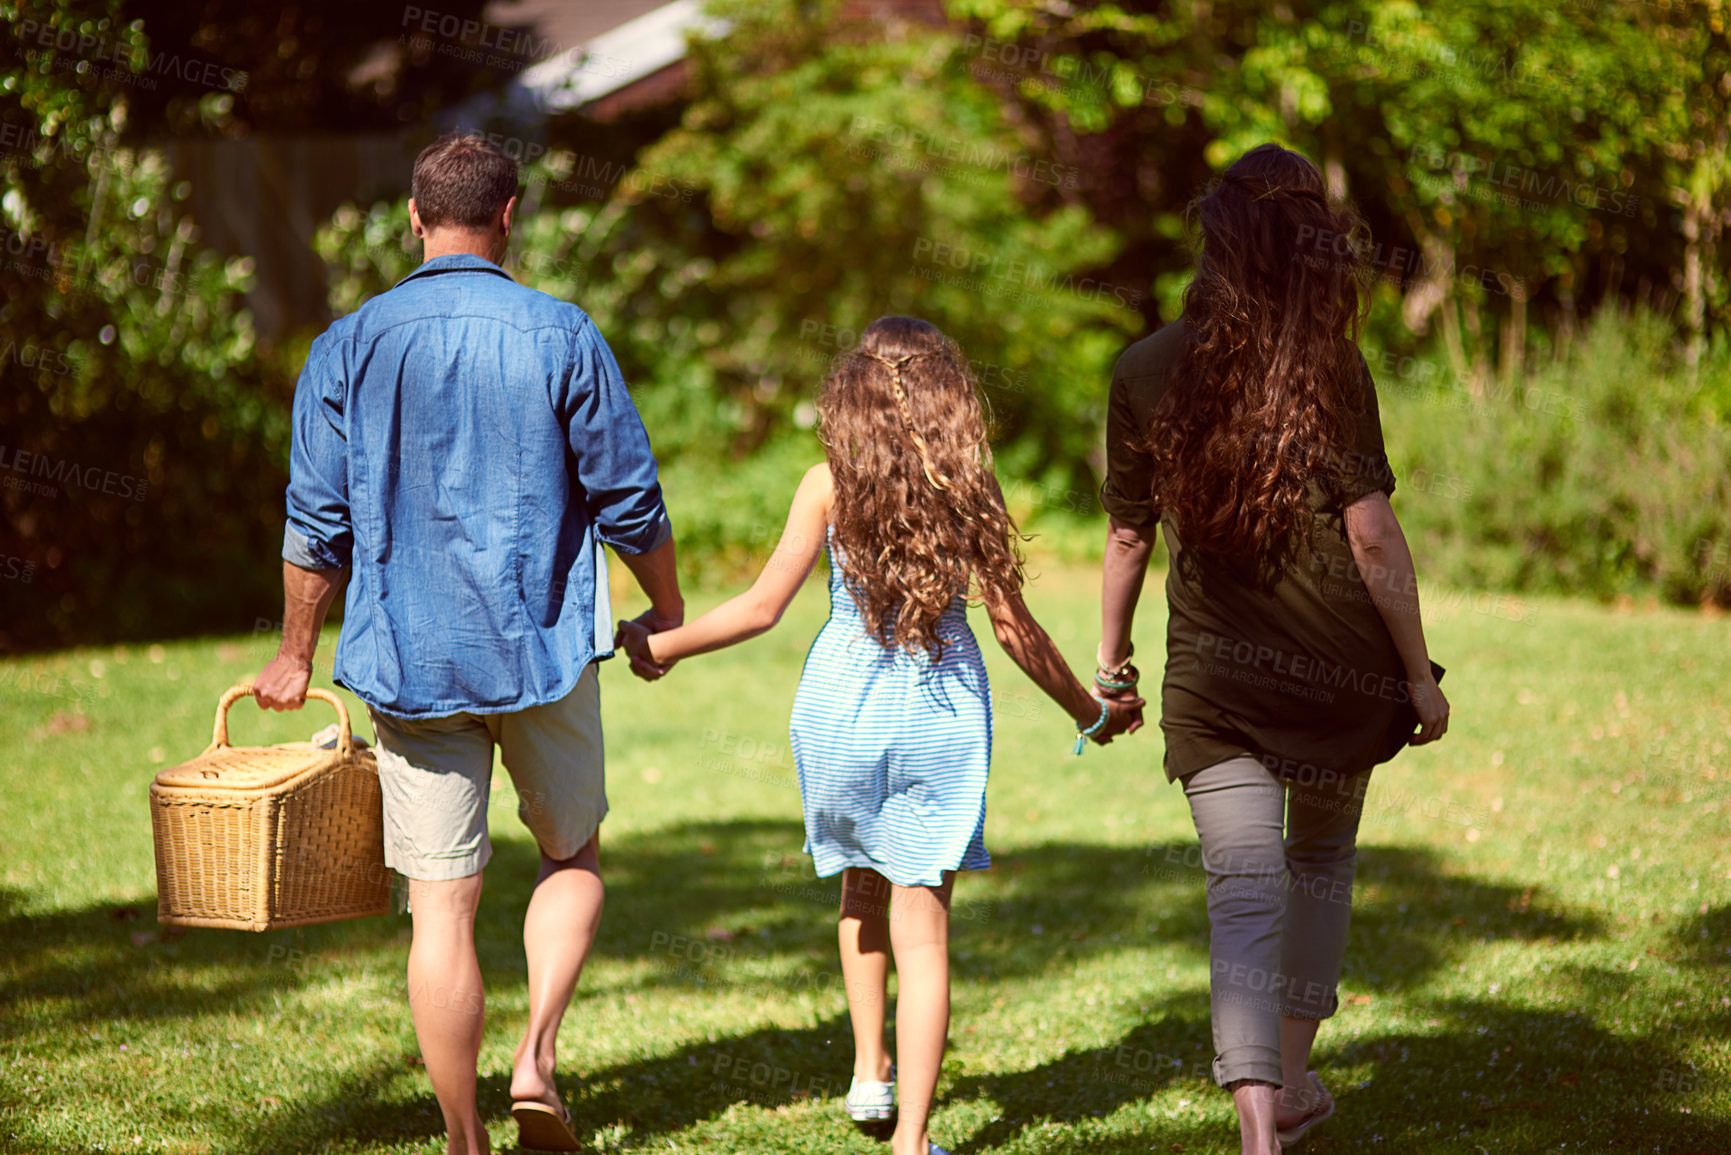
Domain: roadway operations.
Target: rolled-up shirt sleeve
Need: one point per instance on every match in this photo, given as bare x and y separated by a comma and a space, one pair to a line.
1128, 493
1364, 469
318, 534
614, 466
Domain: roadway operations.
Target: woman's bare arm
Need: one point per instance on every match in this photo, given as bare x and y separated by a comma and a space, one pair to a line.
1128, 548
1384, 560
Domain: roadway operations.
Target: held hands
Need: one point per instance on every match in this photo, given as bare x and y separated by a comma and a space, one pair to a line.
1432, 707
633, 637
1122, 701
1123, 716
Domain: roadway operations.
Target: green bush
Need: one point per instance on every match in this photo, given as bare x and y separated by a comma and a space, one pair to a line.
1603, 473
139, 427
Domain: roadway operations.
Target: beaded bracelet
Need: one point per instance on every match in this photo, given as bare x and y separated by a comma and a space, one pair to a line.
1082, 735
1116, 678
1124, 677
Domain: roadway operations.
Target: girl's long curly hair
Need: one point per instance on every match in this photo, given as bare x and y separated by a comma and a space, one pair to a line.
1267, 386
919, 517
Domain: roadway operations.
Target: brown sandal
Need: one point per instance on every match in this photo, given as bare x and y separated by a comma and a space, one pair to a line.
541, 1128
1320, 1111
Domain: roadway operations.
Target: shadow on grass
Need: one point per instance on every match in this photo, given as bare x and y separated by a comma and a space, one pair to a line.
706, 899
732, 904
1704, 940
1499, 1078
1485, 1079
1082, 1085
1555, 1078
718, 903
113, 961
771, 1068
1410, 918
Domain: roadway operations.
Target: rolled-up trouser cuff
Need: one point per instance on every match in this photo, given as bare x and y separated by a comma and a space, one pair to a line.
1249, 1062
1311, 1011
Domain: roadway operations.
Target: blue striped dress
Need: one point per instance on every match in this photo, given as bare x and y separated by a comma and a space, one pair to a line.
892, 749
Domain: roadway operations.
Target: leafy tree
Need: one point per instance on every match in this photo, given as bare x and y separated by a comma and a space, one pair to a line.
1505, 154
145, 436
132, 417
823, 175
1019, 176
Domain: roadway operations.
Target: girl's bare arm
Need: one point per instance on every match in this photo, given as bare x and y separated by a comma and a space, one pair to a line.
1031, 648
759, 608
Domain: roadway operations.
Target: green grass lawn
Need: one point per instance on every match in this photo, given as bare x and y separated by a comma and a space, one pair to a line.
1540, 960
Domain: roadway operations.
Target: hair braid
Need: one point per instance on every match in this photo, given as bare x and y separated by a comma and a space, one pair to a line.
919, 519
938, 480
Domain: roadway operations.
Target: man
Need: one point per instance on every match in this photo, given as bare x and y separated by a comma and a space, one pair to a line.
462, 445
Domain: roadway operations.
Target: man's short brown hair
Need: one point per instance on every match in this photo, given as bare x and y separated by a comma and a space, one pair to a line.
463, 181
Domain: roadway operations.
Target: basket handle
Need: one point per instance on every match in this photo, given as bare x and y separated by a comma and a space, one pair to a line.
219, 738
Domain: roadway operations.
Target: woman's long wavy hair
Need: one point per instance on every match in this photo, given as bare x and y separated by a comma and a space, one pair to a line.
918, 515
1267, 385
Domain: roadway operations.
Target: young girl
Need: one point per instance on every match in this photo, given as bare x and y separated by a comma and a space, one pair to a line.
892, 723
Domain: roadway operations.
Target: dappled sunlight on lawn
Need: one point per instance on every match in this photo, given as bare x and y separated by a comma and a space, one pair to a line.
1504, 987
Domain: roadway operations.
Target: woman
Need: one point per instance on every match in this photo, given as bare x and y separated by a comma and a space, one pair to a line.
1296, 660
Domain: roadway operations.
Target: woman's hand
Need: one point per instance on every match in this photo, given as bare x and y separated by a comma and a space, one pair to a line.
1124, 704
1433, 709
1123, 716
633, 638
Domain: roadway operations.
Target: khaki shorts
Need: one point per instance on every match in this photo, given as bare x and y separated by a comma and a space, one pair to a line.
437, 773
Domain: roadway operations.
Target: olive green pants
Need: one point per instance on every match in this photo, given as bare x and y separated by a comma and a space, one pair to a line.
1279, 857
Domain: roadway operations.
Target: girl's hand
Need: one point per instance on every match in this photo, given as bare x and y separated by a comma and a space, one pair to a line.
633, 638
1123, 715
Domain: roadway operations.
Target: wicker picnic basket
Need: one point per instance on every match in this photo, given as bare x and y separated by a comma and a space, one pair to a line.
260, 837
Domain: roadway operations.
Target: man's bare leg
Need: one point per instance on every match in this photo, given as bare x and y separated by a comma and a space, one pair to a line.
564, 913
447, 1003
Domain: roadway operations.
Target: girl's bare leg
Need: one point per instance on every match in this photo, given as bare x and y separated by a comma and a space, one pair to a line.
864, 931
920, 936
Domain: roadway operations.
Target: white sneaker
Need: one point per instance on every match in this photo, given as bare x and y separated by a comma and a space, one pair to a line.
871, 1102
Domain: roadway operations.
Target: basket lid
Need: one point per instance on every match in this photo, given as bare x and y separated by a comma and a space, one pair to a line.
225, 767
247, 767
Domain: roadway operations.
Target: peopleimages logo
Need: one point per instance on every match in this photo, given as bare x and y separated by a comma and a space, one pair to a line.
474, 41
988, 272
1520, 187
94, 478
885, 136
1063, 72
129, 64
36, 357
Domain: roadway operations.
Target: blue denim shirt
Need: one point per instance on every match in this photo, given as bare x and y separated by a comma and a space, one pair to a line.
462, 444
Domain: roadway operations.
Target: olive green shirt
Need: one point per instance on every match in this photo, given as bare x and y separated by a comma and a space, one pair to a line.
1302, 674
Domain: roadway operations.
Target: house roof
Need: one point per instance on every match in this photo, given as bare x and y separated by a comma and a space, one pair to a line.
611, 44
567, 22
